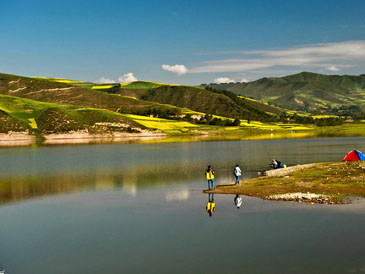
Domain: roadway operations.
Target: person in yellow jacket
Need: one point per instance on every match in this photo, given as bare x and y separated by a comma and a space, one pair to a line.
209, 173
211, 204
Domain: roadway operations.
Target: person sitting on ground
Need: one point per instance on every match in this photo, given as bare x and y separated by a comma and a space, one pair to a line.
237, 173
209, 173
277, 164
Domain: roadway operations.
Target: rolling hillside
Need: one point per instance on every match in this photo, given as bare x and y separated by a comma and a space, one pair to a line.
45, 90
309, 92
194, 98
44, 106
141, 98
20, 114
200, 100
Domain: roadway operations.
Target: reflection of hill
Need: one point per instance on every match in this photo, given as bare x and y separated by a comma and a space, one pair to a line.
19, 189
14, 189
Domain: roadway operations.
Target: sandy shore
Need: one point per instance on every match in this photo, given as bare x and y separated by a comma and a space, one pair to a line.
16, 139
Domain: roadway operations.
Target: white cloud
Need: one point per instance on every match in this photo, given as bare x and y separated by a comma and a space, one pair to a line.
330, 55
178, 69
104, 80
223, 80
126, 78
243, 80
333, 68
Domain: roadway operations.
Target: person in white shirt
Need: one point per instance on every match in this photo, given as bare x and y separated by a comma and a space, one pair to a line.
238, 201
237, 173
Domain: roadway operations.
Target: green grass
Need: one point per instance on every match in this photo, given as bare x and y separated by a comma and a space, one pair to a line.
24, 110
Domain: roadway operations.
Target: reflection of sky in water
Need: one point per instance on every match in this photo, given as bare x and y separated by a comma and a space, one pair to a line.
111, 231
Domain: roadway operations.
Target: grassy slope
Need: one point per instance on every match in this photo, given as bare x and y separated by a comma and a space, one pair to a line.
193, 98
50, 117
304, 91
198, 99
334, 179
19, 114
86, 101
46, 116
65, 93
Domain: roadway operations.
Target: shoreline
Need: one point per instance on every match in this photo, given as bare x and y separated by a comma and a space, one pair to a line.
78, 137
25, 138
320, 183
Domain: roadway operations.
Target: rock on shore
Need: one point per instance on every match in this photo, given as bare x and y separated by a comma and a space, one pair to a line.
304, 197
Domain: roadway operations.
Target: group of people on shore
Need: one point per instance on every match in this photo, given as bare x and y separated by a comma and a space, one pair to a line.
210, 173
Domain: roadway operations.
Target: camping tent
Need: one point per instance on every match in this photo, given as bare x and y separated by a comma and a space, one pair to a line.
354, 155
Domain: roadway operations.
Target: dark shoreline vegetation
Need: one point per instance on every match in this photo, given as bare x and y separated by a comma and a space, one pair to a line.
330, 182
43, 106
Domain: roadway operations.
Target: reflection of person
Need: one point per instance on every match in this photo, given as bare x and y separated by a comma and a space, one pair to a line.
209, 173
237, 173
211, 204
238, 201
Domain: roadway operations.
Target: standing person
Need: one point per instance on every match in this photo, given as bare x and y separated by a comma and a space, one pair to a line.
209, 173
237, 173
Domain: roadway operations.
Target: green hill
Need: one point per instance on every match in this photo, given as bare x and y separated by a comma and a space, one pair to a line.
20, 114
51, 91
309, 92
201, 100
143, 98
51, 105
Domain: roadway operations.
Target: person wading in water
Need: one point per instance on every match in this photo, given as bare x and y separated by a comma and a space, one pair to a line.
209, 173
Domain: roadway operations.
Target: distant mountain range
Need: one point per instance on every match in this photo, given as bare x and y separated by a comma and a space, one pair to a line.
309, 92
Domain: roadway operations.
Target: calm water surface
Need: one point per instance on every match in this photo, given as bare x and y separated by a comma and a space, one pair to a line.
140, 208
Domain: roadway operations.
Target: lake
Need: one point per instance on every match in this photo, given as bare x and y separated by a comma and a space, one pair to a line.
132, 208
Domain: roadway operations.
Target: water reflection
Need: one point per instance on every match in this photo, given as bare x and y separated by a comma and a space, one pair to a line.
15, 188
210, 205
35, 172
180, 195
238, 201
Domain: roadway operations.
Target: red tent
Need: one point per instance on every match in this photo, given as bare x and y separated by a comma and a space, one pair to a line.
354, 155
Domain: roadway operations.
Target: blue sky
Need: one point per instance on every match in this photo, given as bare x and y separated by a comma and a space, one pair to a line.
184, 42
